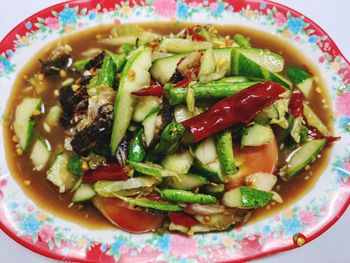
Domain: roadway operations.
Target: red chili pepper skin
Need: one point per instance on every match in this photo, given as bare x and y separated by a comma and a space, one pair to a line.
111, 172
197, 37
296, 106
182, 219
182, 83
153, 90
238, 108
314, 133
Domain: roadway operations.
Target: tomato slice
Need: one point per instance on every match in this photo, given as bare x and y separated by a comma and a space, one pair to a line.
182, 219
132, 220
254, 159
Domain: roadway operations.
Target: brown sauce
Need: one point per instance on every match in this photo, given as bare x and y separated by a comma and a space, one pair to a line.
46, 195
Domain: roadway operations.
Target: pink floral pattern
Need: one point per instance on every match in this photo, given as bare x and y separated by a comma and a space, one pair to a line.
45, 234
165, 8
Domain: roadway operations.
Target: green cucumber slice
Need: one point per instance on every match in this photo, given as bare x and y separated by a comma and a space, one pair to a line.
163, 68
302, 79
130, 187
212, 171
40, 154
207, 66
144, 106
205, 151
59, 175
258, 63
246, 197
146, 203
179, 45
223, 59
151, 169
179, 163
150, 124
74, 165
213, 189
183, 196
53, 116
257, 135
134, 76
84, 193
187, 181
313, 120
303, 156
24, 123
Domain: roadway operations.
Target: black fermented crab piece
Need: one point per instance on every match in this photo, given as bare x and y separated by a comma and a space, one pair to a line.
53, 67
176, 77
96, 62
87, 138
98, 131
72, 102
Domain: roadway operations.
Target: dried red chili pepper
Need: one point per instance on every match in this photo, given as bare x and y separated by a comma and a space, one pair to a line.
153, 90
296, 106
111, 172
238, 108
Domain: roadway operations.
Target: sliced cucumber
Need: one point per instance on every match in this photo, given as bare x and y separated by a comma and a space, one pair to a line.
313, 120
151, 169
40, 154
181, 113
303, 156
246, 197
24, 123
179, 45
205, 151
144, 106
183, 196
74, 165
211, 171
187, 181
223, 59
53, 116
257, 135
59, 175
213, 189
151, 123
163, 68
302, 79
146, 203
146, 39
207, 66
258, 63
130, 187
84, 193
235, 79
179, 163
134, 76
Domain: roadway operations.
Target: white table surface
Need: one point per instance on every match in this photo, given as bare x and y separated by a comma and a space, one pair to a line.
334, 245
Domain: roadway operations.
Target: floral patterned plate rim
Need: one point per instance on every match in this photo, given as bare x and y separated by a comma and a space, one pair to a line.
305, 220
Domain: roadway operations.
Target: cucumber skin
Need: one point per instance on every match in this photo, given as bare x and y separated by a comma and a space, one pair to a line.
292, 171
207, 91
125, 99
313, 120
146, 203
187, 197
85, 190
213, 189
137, 150
224, 148
212, 176
197, 181
245, 67
74, 165
297, 75
254, 198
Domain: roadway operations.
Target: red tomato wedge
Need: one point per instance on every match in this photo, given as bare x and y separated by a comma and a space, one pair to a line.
132, 220
254, 159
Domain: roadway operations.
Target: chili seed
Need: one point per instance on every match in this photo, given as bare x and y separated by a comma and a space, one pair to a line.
14, 138
19, 151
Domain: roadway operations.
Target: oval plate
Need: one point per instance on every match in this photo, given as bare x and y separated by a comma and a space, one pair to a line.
313, 214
